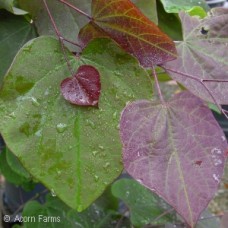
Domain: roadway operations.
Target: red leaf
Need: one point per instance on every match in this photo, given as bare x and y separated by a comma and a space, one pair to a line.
123, 22
84, 88
176, 150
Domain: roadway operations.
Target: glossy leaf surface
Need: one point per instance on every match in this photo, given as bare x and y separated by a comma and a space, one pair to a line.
143, 39
84, 88
175, 6
176, 150
76, 151
145, 207
203, 56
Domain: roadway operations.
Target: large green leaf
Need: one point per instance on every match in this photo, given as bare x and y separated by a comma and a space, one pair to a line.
15, 32
75, 151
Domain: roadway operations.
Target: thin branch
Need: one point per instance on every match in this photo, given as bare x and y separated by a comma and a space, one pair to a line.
214, 80
76, 9
201, 81
122, 217
60, 38
157, 85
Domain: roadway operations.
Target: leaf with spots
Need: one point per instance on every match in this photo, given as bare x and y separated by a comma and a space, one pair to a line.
135, 33
202, 65
175, 149
74, 150
84, 88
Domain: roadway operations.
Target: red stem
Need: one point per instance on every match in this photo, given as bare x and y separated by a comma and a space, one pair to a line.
61, 39
157, 85
76, 9
201, 82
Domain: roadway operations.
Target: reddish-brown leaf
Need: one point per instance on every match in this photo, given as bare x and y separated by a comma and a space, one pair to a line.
84, 88
123, 22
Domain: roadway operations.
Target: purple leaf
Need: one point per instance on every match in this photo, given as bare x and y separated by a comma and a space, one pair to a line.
176, 150
203, 55
84, 88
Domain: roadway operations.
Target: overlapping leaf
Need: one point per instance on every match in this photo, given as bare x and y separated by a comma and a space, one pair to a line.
145, 207
176, 150
203, 56
10, 6
175, 6
15, 32
73, 150
123, 22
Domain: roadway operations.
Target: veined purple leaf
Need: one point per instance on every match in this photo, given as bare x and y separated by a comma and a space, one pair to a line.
176, 150
84, 88
203, 54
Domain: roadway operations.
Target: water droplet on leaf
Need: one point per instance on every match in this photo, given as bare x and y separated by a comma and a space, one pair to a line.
106, 165
80, 208
114, 115
96, 178
53, 193
101, 147
35, 102
216, 177
95, 152
61, 127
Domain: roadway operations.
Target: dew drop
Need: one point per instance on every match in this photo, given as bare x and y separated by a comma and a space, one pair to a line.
94, 153
80, 208
91, 124
53, 192
223, 138
216, 151
216, 177
12, 115
101, 147
139, 180
114, 115
61, 127
96, 178
35, 102
46, 93
39, 133
106, 165
117, 97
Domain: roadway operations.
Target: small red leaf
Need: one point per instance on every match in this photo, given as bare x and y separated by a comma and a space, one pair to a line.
84, 88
